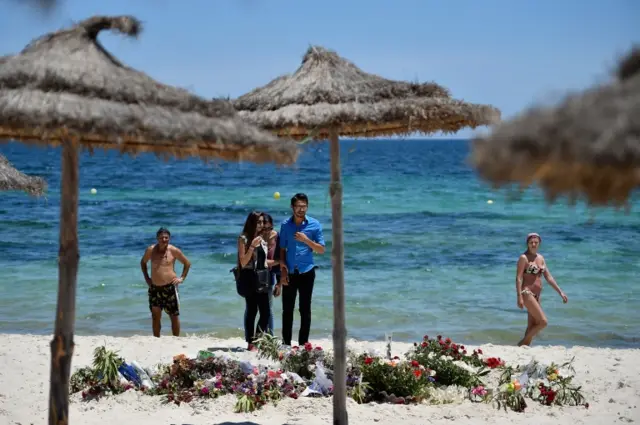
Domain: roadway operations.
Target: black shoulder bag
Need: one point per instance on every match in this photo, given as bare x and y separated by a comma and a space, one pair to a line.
263, 275
254, 279
237, 274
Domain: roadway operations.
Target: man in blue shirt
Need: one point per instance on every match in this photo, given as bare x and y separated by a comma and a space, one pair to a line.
300, 236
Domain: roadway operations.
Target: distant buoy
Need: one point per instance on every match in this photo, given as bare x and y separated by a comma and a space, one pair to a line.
489, 201
94, 191
276, 195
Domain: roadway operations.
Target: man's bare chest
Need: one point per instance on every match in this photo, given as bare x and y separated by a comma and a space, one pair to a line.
162, 259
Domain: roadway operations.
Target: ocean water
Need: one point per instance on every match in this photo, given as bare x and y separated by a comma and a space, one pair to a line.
424, 251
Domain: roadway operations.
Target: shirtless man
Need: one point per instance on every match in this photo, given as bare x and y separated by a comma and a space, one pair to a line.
163, 283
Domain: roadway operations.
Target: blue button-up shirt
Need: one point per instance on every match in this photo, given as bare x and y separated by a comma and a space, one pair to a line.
299, 254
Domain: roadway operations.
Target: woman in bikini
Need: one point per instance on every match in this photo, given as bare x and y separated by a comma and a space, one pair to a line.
531, 268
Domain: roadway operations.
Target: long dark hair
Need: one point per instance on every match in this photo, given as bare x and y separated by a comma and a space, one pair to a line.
251, 224
267, 219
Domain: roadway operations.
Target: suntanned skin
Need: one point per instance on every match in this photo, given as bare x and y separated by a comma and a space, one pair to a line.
163, 257
537, 320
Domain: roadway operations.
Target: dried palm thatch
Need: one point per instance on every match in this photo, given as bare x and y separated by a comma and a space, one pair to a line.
13, 179
587, 146
66, 85
329, 92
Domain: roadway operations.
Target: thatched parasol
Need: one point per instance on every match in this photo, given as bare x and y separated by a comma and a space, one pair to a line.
587, 146
13, 179
327, 97
65, 88
328, 91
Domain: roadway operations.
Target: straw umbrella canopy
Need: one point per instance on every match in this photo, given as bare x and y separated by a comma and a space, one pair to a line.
585, 147
13, 179
329, 96
329, 92
65, 89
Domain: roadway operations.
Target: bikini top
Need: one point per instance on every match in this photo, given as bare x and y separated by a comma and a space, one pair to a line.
534, 269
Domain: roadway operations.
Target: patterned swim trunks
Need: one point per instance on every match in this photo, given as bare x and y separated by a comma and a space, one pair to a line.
166, 297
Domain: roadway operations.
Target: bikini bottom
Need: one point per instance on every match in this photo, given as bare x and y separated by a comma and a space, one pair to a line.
530, 292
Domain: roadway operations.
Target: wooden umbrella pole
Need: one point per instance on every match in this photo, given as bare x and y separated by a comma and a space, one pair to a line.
68, 258
337, 259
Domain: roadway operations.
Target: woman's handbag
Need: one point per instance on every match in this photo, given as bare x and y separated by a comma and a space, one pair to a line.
263, 280
251, 280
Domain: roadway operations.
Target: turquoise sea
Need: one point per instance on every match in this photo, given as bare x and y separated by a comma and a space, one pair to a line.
424, 250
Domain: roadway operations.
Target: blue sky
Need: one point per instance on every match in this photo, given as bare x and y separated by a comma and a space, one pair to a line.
506, 53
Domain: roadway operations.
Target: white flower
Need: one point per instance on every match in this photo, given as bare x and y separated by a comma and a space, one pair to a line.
463, 365
447, 395
381, 361
432, 372
311, 367
431, 355
448, 358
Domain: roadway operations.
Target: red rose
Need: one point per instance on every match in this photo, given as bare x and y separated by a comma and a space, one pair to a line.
318, 348
448, 340
439, 337
308, 346
479, 351
368, 360
415, 363
426, 337
424, 344
417, 373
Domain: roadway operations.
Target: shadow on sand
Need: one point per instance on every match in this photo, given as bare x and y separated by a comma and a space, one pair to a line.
240, 423
229, 350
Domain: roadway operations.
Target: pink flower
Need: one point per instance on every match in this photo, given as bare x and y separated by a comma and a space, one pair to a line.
479, 391
204, 391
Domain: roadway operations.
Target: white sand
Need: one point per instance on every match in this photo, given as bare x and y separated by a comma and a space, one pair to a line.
611, 380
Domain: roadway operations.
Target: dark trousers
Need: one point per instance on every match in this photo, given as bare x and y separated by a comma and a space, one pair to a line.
302, 283
256, 302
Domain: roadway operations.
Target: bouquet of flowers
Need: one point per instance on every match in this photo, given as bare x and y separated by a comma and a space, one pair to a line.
451, 362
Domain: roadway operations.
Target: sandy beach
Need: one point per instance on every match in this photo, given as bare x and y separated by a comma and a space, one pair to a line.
611, 380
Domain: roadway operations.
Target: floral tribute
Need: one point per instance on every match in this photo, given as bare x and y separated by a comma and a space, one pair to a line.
434, 371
